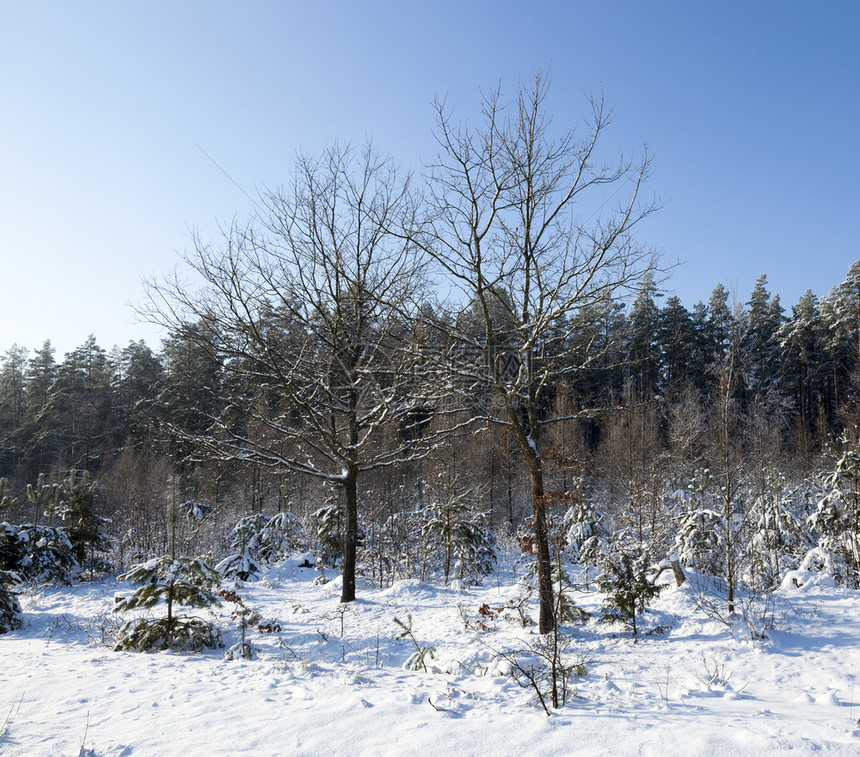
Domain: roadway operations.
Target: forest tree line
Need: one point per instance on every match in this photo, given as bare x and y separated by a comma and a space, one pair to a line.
647, 403
375, 342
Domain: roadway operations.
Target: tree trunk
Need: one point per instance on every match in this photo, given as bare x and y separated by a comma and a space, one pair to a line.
546, 622
350, 536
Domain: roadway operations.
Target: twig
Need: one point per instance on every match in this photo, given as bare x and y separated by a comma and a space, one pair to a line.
13, 712
82, 753
438, 709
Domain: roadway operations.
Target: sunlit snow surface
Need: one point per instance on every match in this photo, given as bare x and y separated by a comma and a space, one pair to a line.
333, 682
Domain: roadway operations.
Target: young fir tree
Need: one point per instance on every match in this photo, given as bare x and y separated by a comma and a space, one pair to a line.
37, 553
86, 529
698, 543
176, 582
244, 563
627, 588
10, 610
329, 528
584, 533
565, 608
6, 502
282, 534
837, 519
44, 498
778, 539
453, 532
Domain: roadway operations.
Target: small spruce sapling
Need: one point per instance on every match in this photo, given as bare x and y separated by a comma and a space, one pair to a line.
700, 529
584, 533
418, 659
44, 498
453, 531
243, 564
627, 588
10, 609
178, 582
38, 553
6, 502
86, 529
836, 521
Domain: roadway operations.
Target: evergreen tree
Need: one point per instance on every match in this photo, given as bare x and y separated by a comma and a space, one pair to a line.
643, 350
720, 323
626, 587
847, 312
329, 528
701, 350
698, 543
41, 373
191, 388
584, 532
454, 532
175, 582
677, 340
801, 341
283, 534
87, 530
10, 609
37, 553
836, 520
244, 563
137, 383
44, 498
79, 406
758, 345
13, 409
778, 539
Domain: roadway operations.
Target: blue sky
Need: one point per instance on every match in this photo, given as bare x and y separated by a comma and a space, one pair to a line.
752, 109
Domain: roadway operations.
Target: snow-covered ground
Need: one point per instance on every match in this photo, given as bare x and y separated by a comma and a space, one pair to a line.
332, 679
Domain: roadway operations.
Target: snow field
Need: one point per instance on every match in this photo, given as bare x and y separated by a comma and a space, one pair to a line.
332, 680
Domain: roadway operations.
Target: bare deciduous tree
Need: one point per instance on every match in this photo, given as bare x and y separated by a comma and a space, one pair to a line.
306, 310
522, 228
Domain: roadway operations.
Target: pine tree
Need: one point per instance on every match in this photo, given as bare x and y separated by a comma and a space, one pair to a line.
137, 381
283, 534
802, 340
758, 345
79, 406
778, 539
698, 543
244, 563
721, 324
643, 348
87, 530
676, 339
329, 528
38, 553
627, 588
41, 373
453, 531
177, 582
584, 532
10, 609
13, 409
44, 498
837, 518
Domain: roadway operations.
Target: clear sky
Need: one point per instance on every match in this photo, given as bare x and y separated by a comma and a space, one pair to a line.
752, 109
